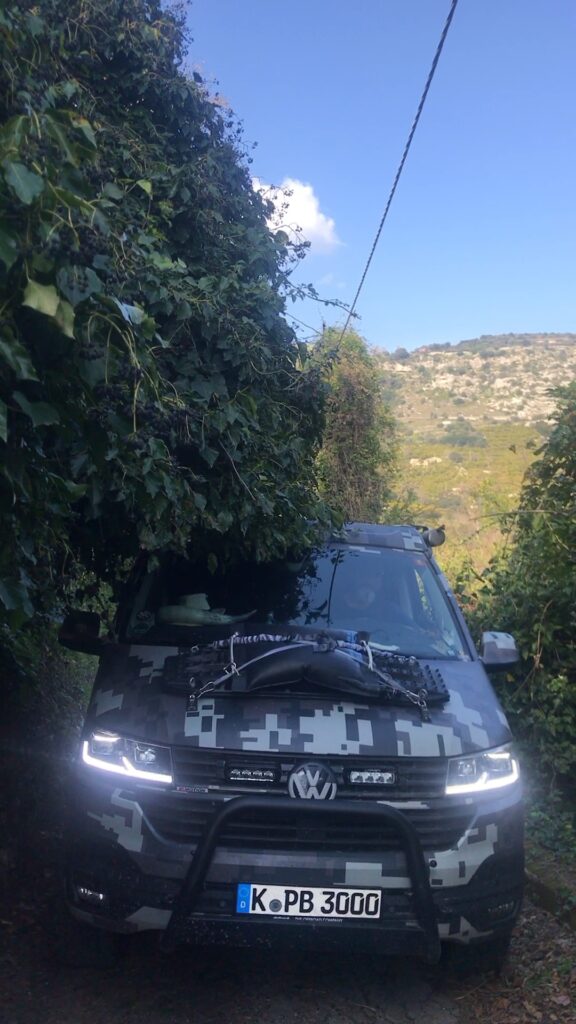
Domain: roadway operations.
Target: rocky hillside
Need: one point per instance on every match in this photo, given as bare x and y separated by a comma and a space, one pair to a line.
472, 415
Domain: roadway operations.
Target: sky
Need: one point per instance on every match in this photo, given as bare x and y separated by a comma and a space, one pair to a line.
481, 235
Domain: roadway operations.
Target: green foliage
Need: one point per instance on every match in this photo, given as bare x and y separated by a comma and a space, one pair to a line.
551, 822
42, 682
400, 354
151, 392
357, 463
463, 434
402, 505
530, 590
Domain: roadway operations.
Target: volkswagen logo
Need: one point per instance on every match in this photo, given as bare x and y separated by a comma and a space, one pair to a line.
312, 782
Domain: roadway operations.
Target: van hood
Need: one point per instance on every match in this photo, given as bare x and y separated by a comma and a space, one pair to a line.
132, 696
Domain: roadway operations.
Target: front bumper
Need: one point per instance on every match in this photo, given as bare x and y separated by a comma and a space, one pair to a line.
469, 893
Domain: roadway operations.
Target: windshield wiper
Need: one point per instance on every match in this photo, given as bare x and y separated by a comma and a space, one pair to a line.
331, 675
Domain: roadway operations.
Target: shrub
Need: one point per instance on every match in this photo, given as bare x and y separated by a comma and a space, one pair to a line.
530, 590
151, 392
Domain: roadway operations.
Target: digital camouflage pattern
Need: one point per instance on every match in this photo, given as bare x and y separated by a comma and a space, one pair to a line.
137, 840
131, 698
118, 815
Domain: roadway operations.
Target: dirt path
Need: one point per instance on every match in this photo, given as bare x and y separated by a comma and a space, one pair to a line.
258, 987
236, 987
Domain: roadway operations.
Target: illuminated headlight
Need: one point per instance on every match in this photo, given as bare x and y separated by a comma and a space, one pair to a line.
491, 770
112, 753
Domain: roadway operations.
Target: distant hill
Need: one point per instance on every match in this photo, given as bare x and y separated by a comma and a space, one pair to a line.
467, 414
486, 342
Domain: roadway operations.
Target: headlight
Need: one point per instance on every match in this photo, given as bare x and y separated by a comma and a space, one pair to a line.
491, 770
112, 753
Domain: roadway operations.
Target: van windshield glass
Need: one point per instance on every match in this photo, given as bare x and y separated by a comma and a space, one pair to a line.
392, 595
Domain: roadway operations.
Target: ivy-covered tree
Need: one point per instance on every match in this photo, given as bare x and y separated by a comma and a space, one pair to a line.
530, 590
357, 462
151, 392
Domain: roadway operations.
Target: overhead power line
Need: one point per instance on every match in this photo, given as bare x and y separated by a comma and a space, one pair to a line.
403, 161
315, 330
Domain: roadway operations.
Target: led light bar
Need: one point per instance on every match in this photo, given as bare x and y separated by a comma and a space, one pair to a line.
251, 774
373, 777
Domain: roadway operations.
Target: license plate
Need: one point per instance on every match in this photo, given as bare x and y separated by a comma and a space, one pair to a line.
296, 901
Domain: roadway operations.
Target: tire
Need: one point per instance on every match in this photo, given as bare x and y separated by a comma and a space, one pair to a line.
76, 944
477, 958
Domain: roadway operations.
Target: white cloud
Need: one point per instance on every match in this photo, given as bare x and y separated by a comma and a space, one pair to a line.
330, 280
299, 213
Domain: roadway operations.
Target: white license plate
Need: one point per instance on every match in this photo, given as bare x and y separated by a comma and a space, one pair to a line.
297, 901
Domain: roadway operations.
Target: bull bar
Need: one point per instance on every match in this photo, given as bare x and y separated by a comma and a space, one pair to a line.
237, 806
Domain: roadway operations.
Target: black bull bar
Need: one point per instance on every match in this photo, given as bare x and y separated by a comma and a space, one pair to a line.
237, 806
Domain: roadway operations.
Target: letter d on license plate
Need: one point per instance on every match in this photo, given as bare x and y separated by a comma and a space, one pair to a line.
296, 901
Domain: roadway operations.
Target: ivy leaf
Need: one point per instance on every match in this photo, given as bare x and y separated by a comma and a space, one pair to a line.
8, 595
78, 283
183, 310
209, 455
93, 371
26, 184
8, 248
101, 222
132, 314
70, 88
76, 202
36, 25
14, 596
78, 461
203, 388
84, 126
11, 135
65, 318
162, 262
111, 191
58, 134
41, 413
146, 186
42, 297
76, 491
42, 264
14, 353
149, 330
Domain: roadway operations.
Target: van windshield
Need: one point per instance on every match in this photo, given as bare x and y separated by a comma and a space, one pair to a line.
393, 596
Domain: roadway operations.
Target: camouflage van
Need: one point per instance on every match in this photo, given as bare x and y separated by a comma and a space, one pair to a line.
299, 752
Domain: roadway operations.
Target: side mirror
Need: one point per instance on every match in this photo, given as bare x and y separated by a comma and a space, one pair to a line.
499, 651
80, 632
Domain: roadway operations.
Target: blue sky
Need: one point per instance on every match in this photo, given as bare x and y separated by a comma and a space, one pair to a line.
481, 236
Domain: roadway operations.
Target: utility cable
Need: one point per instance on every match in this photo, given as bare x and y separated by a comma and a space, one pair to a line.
402, 162
302, 324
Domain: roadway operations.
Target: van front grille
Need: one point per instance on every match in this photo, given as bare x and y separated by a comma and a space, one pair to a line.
183, 819
204, 778
415, 778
